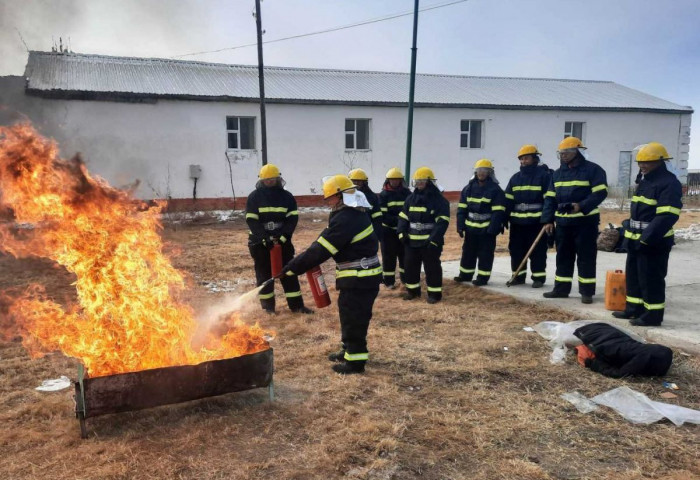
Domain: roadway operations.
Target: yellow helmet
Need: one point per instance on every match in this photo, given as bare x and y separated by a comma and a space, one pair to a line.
269, 171
394, 173
357, 174
483, 163
336, 184
528, 150
571, 142
651, 152
423, 173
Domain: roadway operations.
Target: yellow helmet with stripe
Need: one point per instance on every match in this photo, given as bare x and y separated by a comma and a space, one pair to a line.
483, 163
571, 142
336, 184
423, 173
357, 174
269, 171
394, 173
528, 150
652, 152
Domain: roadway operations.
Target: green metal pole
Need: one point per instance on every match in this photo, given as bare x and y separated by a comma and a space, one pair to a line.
409, 133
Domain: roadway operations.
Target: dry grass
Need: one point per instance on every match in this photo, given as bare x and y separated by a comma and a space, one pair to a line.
441, 397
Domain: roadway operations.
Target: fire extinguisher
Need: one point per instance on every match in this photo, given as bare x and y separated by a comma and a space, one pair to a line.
276, 260
318, 287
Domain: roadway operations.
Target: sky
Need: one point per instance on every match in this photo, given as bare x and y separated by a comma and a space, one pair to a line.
649, 45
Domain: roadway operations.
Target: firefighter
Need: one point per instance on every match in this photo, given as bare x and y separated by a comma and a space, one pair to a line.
655, 208
576, 190
272, 215
361, 181
524, 202
422, 224
391, 200
480, 216
351, 241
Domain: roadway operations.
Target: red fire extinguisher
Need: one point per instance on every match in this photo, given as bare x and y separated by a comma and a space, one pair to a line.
276, 259
318, 287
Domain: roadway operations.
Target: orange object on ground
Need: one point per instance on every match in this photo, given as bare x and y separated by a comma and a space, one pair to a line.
615, 290
583, 352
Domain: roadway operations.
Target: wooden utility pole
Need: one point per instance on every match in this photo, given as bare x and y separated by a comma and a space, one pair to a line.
414, 51
261, 80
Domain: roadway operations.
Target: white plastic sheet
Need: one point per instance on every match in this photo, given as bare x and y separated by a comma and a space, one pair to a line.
638, 408
54, 385
581, 403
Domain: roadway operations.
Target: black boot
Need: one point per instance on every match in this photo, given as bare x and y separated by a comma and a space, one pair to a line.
348, 368
338, 356
519, 280
459, 279
537, 284
648, 319
303, 309
555, 294
432, 299
409, 295
479, 282
626, 314
587, 299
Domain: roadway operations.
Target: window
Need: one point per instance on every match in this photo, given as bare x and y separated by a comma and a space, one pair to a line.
470, 136
241, 133
356, 134
574, 129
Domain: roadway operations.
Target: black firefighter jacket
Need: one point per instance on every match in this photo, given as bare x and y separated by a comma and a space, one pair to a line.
618, 355
482, 208
655, 208
270, 212
585, 184
424, 218
391, 203
375, 213
525, 194
349, 237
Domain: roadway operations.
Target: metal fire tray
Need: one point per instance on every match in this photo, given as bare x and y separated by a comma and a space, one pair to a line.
126, 392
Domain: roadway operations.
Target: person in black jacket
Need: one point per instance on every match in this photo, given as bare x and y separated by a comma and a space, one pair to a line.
391, 200
423, 222
272, 216
618, 355
480, 215
524, 203
361, 181
577, 188
656, 206
351, 241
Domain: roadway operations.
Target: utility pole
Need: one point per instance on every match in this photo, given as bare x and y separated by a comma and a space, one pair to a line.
409, 133
261, 80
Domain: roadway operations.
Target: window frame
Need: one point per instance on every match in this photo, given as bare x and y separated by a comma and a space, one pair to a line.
354, 135
469, 133
570, 133
237, 131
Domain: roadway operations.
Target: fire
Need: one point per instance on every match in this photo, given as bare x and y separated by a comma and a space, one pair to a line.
128, 316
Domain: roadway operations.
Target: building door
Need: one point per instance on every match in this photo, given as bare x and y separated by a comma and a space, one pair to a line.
625, 172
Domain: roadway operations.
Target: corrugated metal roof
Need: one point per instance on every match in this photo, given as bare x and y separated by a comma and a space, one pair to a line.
58, 74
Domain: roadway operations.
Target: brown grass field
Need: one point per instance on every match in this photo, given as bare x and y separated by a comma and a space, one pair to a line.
441, 399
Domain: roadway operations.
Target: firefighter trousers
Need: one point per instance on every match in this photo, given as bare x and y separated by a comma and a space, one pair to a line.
477, 247
263, 272
645, 278
355, 311
392, 248
429, 257
576, 244
521, 239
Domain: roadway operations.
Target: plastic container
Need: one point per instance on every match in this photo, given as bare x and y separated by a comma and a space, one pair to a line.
318, 287
615, 290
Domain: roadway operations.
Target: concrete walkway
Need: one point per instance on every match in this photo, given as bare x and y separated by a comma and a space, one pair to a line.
681, 326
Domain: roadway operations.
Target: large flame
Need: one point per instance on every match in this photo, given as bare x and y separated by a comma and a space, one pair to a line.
128, 316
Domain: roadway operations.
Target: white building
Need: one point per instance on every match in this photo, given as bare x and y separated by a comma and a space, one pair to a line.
151, 119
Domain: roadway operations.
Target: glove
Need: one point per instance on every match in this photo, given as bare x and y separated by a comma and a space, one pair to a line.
405, 240
460, 233
565, 207
506, 224
271, 241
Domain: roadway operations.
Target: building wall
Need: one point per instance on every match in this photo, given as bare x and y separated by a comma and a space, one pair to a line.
154, 143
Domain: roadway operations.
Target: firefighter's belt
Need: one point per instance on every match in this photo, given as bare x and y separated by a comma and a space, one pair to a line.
363, 263
421, 226
479, 216
527, 207
636, 224
270, 226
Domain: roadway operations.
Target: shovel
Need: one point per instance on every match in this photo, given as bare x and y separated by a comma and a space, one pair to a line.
527, 255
